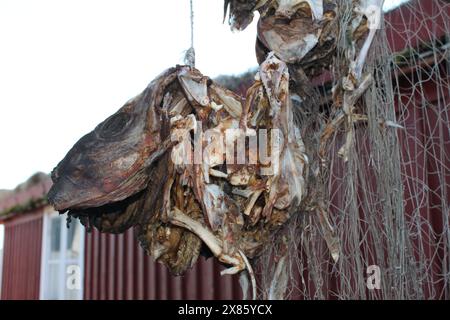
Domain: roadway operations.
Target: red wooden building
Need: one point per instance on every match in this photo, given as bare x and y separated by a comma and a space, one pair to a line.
42, 259
41, 254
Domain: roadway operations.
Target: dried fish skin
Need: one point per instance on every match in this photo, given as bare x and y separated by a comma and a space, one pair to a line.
298, 40
240, 12
195, 85
110, 163
287, 8
230, 101
177, 248
113, 218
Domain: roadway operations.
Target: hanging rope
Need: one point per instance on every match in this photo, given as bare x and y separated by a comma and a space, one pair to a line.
189, 58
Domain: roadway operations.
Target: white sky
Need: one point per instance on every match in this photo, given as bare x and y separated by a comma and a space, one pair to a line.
66, 65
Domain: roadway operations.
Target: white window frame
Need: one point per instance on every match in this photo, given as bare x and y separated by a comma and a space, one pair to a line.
45, 255
2, 251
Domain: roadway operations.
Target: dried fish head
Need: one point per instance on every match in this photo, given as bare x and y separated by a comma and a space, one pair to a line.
176, 205
112, 162
294, 36
241, 13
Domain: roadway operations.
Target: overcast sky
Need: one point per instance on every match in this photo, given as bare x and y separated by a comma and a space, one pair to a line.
67, 65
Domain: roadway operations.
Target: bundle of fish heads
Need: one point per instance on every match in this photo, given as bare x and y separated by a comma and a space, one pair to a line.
302, 33
235, 165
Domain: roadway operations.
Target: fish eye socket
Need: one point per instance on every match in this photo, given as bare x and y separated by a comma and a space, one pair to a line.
77, 172
114, 125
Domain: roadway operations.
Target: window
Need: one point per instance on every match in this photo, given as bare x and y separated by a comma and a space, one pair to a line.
62, 259
2, 234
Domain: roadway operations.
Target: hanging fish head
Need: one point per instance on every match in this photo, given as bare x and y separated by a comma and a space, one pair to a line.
113, 162
241, 12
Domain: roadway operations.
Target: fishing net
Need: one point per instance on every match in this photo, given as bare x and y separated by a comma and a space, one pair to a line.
386, 192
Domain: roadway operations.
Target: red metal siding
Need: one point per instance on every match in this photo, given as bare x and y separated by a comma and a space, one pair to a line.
117, 268
22, 257
410, 25
427, 174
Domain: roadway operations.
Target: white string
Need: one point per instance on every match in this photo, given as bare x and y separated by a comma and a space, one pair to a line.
189, 58
192, 23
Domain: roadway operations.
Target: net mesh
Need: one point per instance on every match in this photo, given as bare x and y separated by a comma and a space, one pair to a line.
389, 203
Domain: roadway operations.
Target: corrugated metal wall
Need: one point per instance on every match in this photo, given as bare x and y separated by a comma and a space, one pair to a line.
117, 268
22, 257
